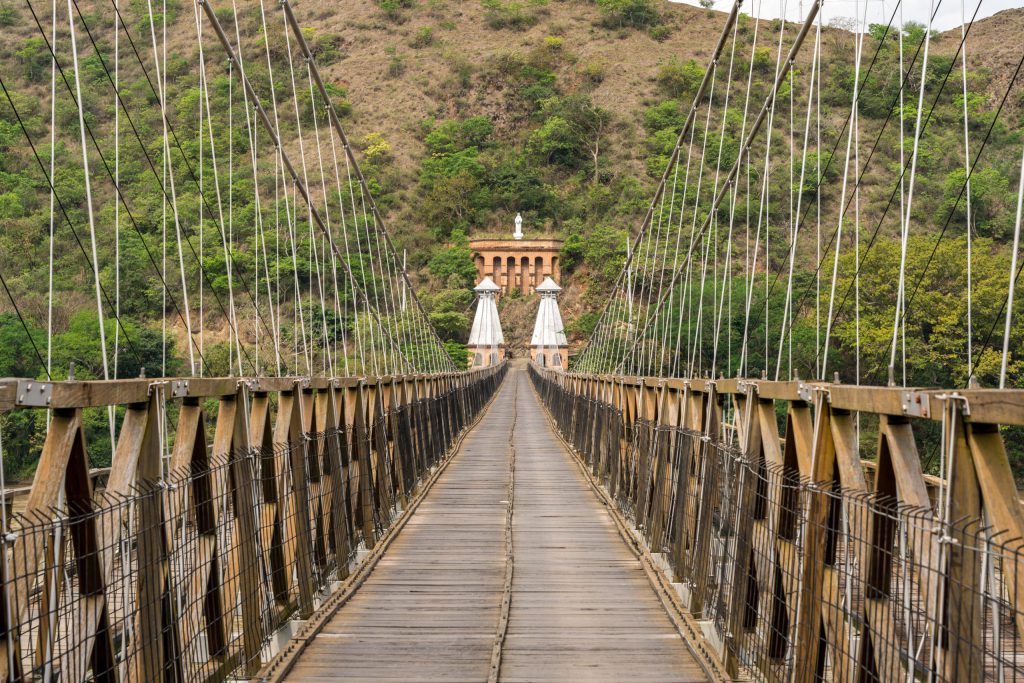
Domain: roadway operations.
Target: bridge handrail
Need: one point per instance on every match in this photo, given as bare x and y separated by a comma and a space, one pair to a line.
806, 561
208, 538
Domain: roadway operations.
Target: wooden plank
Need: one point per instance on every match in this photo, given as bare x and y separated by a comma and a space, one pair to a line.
232, 418
151, 657
1000, 496
581, 607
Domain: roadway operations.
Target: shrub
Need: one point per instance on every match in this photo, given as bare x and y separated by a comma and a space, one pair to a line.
553, 42
454, 136
571, 253
629, 13
339, 96
8, 15
763, 61
593, 71
392, 9
660, 33
454, 260
667, 114
423, 38
501, 14
376, 148
326, 47
458, 353
679, 79
396, 65
35, 57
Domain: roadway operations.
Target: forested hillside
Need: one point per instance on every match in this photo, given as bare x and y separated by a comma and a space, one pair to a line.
463, 112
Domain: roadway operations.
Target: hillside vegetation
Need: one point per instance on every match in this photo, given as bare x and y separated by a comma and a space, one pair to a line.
464, 112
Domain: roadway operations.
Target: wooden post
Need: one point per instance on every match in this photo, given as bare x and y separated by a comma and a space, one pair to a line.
154, 659
232, 439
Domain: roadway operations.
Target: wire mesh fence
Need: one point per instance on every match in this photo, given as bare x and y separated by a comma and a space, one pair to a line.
806, 580
187, 577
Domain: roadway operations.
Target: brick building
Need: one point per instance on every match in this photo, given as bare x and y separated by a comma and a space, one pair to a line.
517, 263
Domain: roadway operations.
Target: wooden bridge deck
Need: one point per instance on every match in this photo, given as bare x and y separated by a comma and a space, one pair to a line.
581, 608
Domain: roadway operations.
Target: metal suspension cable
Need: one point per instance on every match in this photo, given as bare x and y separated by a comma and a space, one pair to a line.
967, 157
1003, 366
763, 214
327, 213
88, 199
92, 223
717, 315
111, 173
131, 122
52, 235
218, 29
712, 244
293, 228
169, 172
259, 235
951, 212
905, 218
351, 281
788, 313
205, 202
743, 132
63, 209
336, 123
673, 158
696, 204
876, 143
755, 128
988, 338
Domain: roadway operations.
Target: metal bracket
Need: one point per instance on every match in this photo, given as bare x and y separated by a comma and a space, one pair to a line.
916, 404
807, 392
179, 388
965, 406
34, 394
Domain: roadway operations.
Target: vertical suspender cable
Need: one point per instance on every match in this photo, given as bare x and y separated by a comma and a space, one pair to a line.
53, 150
967, 161
92, 222
690, 118
265, 121
1003, 368
905, 227
335, 122
755, 128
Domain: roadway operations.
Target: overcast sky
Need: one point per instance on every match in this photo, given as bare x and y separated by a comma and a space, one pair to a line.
948, 16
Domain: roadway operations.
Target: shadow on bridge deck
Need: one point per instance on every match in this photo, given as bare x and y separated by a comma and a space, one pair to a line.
581, 607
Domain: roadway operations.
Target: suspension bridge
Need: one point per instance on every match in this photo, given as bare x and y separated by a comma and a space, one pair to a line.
736, 477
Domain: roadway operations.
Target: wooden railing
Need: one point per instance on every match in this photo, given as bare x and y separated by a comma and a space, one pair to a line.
803, 560
212, 530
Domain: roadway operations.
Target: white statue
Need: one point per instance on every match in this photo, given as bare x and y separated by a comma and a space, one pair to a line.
518, 234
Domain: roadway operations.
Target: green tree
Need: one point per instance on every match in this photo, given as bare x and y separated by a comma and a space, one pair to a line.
17, 356
459, 354
572, 253
450, 324
679, 79
632, 13
453, 136
455, 260
573, 132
